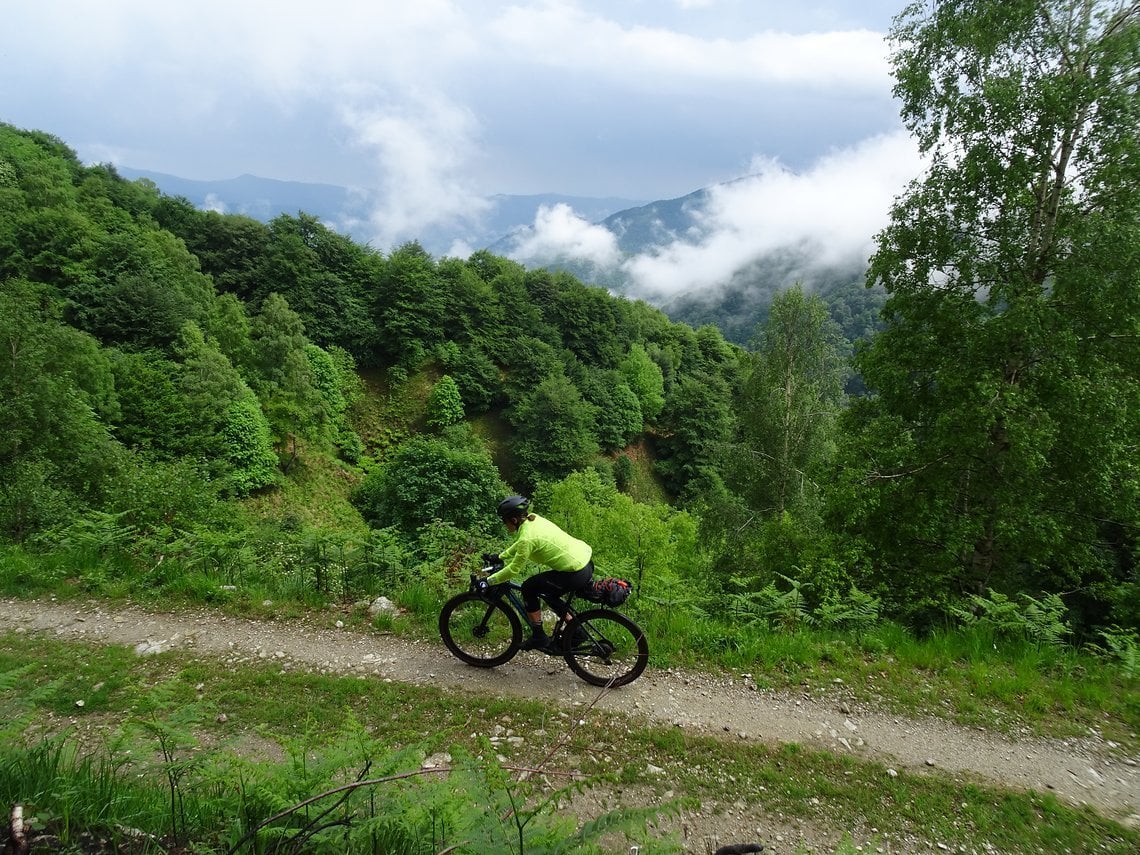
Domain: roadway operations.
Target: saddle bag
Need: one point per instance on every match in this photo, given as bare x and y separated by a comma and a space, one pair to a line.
608, 591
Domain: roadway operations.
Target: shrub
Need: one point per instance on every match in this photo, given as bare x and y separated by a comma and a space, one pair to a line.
427, 479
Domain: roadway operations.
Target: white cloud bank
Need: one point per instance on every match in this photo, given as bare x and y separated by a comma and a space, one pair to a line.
835, 208
560, 233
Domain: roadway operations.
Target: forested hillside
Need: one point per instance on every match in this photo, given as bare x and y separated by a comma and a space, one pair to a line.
193, 392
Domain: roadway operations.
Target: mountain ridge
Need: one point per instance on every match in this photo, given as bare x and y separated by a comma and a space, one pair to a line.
736, 306
347, 209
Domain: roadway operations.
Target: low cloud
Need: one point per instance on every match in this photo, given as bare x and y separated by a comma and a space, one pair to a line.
214, 203
835, 209
832, 210
420, 156
559, 233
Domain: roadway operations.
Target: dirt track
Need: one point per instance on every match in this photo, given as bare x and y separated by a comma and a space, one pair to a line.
1089, 771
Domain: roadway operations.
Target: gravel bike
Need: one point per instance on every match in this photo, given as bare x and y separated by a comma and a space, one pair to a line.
484, 628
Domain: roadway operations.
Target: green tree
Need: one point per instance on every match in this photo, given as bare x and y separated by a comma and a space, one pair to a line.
444, 404
56, 384
617, 412
553, 429
695, 426
410, 307
324, 277
999, 449
427, 479
146, 287
476, 375
791, 402
284, 377
247, 447
645, 378
226, 428
155, 416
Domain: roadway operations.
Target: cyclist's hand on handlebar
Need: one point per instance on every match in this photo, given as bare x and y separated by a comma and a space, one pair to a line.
482, 586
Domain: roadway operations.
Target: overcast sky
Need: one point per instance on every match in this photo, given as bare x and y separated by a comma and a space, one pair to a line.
432, 105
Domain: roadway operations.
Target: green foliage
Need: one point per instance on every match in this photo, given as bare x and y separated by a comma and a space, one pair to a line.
155, 415
426, 479
653, 545
998, 448
55, 382
248, 447
855, 612
645, 379
1124, 647
1040, 621
351, 794
444, 404
327, 378
553, 429
790, 404
785, 610
617, 411
409, 308
623, 471
477, 377
696, 425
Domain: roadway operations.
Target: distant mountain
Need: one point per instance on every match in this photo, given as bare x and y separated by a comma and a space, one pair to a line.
740, 303
736, 307
348, 210
657, 224
260, 198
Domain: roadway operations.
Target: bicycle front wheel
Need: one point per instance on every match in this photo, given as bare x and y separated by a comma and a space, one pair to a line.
479, 631
605, 648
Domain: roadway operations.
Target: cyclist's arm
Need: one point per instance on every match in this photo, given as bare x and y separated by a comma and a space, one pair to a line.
514, 559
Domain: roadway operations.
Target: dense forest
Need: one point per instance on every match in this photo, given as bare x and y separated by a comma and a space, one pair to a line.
169, 376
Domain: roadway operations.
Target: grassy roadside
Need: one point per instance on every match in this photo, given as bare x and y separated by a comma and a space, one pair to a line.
259, 711
966, 676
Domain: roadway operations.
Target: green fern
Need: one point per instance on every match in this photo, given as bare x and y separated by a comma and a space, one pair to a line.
1123, 647
1039, 621
857, 611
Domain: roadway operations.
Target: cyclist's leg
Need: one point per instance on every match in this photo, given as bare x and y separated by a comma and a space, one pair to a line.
552, 585
535, 589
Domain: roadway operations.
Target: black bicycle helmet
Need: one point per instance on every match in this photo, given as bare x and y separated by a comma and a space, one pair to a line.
514, 506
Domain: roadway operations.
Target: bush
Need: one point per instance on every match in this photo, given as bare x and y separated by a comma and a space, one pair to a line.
428, 479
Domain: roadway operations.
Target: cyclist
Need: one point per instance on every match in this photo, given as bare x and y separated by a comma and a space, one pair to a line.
541, 541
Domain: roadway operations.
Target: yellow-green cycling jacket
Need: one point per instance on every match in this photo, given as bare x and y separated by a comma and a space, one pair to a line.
541, 541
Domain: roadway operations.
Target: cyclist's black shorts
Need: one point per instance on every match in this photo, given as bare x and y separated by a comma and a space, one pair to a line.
551, 584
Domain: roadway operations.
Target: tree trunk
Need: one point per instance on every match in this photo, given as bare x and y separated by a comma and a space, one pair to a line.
17, 839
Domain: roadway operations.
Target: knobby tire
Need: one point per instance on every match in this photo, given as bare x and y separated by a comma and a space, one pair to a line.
614, 651
479, 631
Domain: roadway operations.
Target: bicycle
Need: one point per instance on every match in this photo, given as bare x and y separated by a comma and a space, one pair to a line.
484, 628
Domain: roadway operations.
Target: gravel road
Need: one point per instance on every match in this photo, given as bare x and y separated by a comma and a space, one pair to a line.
1088, 771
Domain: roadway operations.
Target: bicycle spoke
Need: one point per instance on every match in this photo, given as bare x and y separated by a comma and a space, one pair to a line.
480, 632
605, 648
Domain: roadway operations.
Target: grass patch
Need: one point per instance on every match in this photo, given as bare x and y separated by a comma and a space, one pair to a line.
315, 494
230, 707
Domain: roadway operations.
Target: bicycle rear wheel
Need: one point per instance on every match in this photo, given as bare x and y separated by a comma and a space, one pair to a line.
479, 631
605, 648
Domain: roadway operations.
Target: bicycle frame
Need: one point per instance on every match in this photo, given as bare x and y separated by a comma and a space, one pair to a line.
512, 593
606, 648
